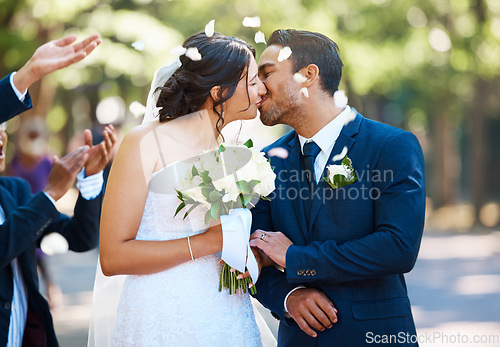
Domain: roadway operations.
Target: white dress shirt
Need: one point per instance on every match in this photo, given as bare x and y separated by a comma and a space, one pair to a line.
325, 139
20, 96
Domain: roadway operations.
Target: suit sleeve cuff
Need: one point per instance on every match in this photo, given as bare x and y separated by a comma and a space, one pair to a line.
50, 198
20, 96
90, 187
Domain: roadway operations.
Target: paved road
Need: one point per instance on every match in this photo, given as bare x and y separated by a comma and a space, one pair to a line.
454, 290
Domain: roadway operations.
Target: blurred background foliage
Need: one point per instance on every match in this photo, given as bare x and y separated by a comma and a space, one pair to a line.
429, 66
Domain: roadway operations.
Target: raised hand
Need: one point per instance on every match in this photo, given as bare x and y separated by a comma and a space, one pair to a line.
100, 155
311, 308
52, 56
273, 243
64, 171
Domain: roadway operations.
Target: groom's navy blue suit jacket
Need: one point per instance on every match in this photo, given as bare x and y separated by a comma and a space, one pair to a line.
27, 219
360, 238
9, 102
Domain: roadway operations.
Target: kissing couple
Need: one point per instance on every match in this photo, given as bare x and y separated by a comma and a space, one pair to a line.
331, 270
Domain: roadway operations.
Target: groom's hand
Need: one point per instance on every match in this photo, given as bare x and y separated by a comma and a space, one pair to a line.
273, 243
311, 308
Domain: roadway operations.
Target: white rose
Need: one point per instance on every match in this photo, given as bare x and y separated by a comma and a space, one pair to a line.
267, 179
208, 162
224, 182
232, 193
196, 194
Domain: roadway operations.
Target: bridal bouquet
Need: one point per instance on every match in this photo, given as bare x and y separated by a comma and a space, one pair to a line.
224, 181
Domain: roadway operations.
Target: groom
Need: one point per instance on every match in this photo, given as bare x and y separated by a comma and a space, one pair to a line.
343, 250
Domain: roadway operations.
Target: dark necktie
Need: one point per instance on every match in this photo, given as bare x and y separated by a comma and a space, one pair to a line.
311, 151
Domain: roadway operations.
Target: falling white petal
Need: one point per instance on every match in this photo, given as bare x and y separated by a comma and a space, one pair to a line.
279, 152
341, 155
178, 50
193, 54
139, 45
54, 243
284, 54
350, 117
340, 99
156, 111
137, 108
300, 78
305, 92
251, 22
210, 28
260, 37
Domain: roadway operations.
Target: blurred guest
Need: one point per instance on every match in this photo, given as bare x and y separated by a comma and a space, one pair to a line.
26, 218
52, 56
32, 163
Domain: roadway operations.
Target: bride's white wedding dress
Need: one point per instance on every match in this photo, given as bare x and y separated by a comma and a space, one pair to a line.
181, 306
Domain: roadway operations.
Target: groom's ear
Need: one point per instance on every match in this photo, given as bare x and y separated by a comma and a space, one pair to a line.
215, 93
311, 73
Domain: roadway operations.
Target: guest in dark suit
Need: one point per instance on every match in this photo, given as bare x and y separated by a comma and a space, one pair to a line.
52, 56
25, 218
344, 251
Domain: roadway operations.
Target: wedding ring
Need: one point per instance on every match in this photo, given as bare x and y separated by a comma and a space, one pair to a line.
262, 236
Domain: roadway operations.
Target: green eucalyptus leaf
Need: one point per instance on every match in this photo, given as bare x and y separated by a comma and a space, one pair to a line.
214, 196
243, 187
248, 144
179, 208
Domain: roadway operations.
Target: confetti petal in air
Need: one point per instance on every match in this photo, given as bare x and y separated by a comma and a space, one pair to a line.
259, 37
340, 99
300, 78
279, 152
284, 54
179, 50
352, 116
305, 92
193, 54
251, 22
54, 243
341, 155
139, 45
156, 111
210, 28
137, 108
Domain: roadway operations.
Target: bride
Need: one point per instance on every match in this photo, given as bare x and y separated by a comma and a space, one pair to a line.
170, 295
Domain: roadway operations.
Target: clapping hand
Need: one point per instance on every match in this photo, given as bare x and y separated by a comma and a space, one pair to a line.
52, 56
99, 155
64, 171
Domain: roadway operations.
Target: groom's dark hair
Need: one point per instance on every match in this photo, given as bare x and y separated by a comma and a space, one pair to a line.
312, 48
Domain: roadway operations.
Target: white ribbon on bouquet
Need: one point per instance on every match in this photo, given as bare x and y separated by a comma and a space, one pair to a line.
236, 251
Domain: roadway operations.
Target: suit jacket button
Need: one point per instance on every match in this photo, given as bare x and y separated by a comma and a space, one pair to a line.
313, 272
6, 306
307, 272
300, 272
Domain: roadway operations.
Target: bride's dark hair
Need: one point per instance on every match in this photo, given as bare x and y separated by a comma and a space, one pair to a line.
224, 63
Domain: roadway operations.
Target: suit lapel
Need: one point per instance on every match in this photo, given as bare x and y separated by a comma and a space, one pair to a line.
345, 139
291, 166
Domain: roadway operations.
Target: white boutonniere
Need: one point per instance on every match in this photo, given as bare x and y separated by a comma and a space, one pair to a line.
341, 175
